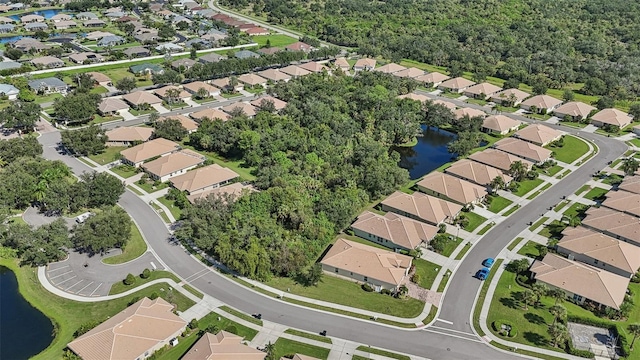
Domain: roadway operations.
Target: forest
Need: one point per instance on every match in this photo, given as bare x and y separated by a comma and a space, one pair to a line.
594, 42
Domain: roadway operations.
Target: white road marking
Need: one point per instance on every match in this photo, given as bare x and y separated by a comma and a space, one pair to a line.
445, 321
154, 266
79, 291
64, 281
60, 268
74, 284
53, 277
455, 336
455, 331
96, 289
198, 274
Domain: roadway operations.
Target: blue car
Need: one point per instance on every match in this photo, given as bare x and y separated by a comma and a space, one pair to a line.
482, 273
488, 262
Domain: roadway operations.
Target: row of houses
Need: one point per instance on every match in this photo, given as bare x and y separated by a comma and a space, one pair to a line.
600, 256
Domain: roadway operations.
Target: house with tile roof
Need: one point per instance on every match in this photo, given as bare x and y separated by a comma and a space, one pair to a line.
299, 46
246, 109
210, 114
162, 92
295, 71
48, 62
470, 112
538, 134
381, 269
360, 65
414, 96
251, 80
127, 136
612, 117
452, 188
138, 154
433, 79
630, 184
193, 88
481, 91
277, 103
274, 75
456, 85
187, 123
343, 64
574, 111
542, 104
614, 223
500, 125
498, 159
86, 57
222, 346
138, 99
394, 231
411, 73
10, 91
421, 207
509, 97
390, 68
111, 106
523, 149
624, 202
232, 191
313, 66
173, 164
203, 179
476, 172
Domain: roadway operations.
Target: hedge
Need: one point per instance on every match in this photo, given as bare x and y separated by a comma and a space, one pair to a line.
619, 331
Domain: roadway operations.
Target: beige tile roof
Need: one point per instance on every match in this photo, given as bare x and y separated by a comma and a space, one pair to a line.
390, 68
631, 184
573, 109
398, 229
449, 105
369, 261
46, 60
99, 77
423, 206
235, 190
432, 78
457, 83
247, 109
456, 189
523, 149
277, 103
498, 159
538, 134
614, 222
81, 57
470, 112
142, 97
295, 71
274, 75
171, 163
313, 66
542, 102
414, 96
211, 114
187, 123
222, 346
162, 92
613, 252
624, 202
598, 285
505, 94
612, 117
197, 85
300, 357
252, 79
130, 333
409, 73
342, 63
112, 104
476, 172
200, 178
500, 123
220, 83
134, 133
483, 88
153, 148
362, 63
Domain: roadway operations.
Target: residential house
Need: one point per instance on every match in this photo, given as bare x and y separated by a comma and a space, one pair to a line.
542, 104
65, 24
146, 68
28, 19
145, 37
228, 192
581, 283
7, 28
60, 17
223, 84
421, 207
390, 68
523, 149
136, 51
49, 85
452, 188
630, 184
138, 154
481, 91
394, 231
245, 27
362, 64
111, 106
277, 103
433, 79
498, 159
197, 43
456, 85
599, 250
409, 73
6, 20
203, 179
100, 78
449, 105
115, 15
223, 345
125, 19
127, 136
611, 117
274, 75
138, 99
312, 66
624, 202
174, 164
111, 40
187, 123
36, 26
509, 97
214, 36
299, 46
538, 134
500, 125
381, 269
86, 57
86, 16
193, 88
134, 333
256, 31
616, 224
636, 130
246, 54
469, 112
10, 91
97, 35
27, 44
252, 80
343, 64
574, 111
9, 65
245, 108
210, 114
211, 58
94, 23
476, 172
162, 92
415, 97
169, 48
269, 51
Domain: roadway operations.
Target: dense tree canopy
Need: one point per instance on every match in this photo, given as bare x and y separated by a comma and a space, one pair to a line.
20, 115
170, 129
109, 228
12, 149
90, 140
76, 108
39, 246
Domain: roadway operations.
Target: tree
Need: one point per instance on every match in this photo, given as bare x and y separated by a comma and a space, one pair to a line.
233, 82
518, 170
13, 54
518, 266
634, 329
21, 115
634, 110
540, 290
84, 82
270, 349
605, 102
193, 54
202, 93
172, 95
126, 84
528, 298
76, 107
539, 88
170, 129
466, 141
556, 294
314, 275
559, 312
12, 149
558, 333
167, 77
512, 83
166, 31
497, 184
103, 189
571, 220
86, 141
109, 228
568, 95
630, 165
129, 280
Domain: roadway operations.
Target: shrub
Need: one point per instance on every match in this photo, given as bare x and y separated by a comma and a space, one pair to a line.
497, 327
193, 324
416, 278
442, 228
133, 300
84, 328
576, 352
129, 280
385, 292
145, 274
367, 288
153, 296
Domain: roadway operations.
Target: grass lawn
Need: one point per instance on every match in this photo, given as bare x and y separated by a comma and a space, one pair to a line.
531, 249
120, 287
97, 119
277, 40
289, 347
125, 171
476, 101
527, 185
576, 209
150, 188
135, 112
539, 191
109, 155
307, 335
538, 223
382, 352
427, 272
68, 315
635, 142
595, 194
553, 230
230, 95
561, 205
512, 210
474, 220
47, 98
175, 211
552, 170
160, 212
573, 149
582, 189
443, 282
612, 179
349, 293
463, 251
451, 245
485, 229
514, 243
134, 190
235, 165
241, 315
498, 203
134, 248
255, 90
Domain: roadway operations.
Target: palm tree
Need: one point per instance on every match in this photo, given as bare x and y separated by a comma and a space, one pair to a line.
172, 95
558, 312
539, 289
202, 93
518, 170
558, 333
233, 82
270, 348
528, 298
556, 294
630, 165
497, 184
635, 330
571, 220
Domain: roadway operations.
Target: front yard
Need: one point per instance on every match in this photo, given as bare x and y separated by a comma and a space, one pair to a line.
595, 194
109, 155
427, 272
498, 203
572, 149
527, 185
474, 220
289, 347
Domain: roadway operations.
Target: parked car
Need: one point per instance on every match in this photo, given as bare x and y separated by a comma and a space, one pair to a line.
483, 273
488, 262
82, 217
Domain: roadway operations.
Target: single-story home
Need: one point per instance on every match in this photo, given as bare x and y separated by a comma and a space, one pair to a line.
312, 66
456, 85
27, 19
394, 231
416, 97
27, 44
409, 73
246, 54
476, 172
210, 114
190, 125
65, 24
256, 30
146, 68
60, 17
538, 134
470, 112
86, 57
581, 283
203, 179
381, 269
299, 46
481, 91
111, 40
523, 149
421, 207
600, 250
246, 109
294, 71
111, 106
269, 51
390, 68
162, 92
185, 63
274, 75
233, 191
252, 80
49, 62
137, 51
211, 58
223, 345
127, 136
613, 117
139, 98
201, 43
134, 333
146, 37
10, 91
574, 110
169, 48
9, 65
100, 78
7, 28
543, 104
500, 125
97, 35
173, 164
452, 188
6, 20
498, 159
49, 85
277, 103
509, 97
343, 64
94, 23
432, 79
36, 26
193, 88
86, 16
616, 224
636, 130
223, 84
630, 184
138, 154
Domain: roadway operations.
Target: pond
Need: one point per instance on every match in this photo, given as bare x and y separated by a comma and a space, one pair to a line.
47, 14
24, 331
428, 154
9, 39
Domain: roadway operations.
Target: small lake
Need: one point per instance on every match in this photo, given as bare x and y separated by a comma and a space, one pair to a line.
428, 154
24, 331
47, 14
9, 39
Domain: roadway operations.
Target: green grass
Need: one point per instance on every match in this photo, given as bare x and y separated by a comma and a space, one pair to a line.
463, 251
443, 282
514, 243
527, 185
538, 192
512, 210
161, 212
450, 246
230, 95
170, 204
149, 187
635, 142
572, 150
241, 315
382, 352
582, 189
476, 101
135, 191
595, 193
348, 293
134, 248
86, 162
277, 40
575, 209
124, 171
498, 204
307, 335
193, 291
97, 119
561, 205
120, 287
287, 347
109, 155
432, 314
530, 249
68, 315
246, 173
485, 228
135, 112
475, 220
524, 352
552, 170
41, 99
538, 223
427, 272
565, 173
